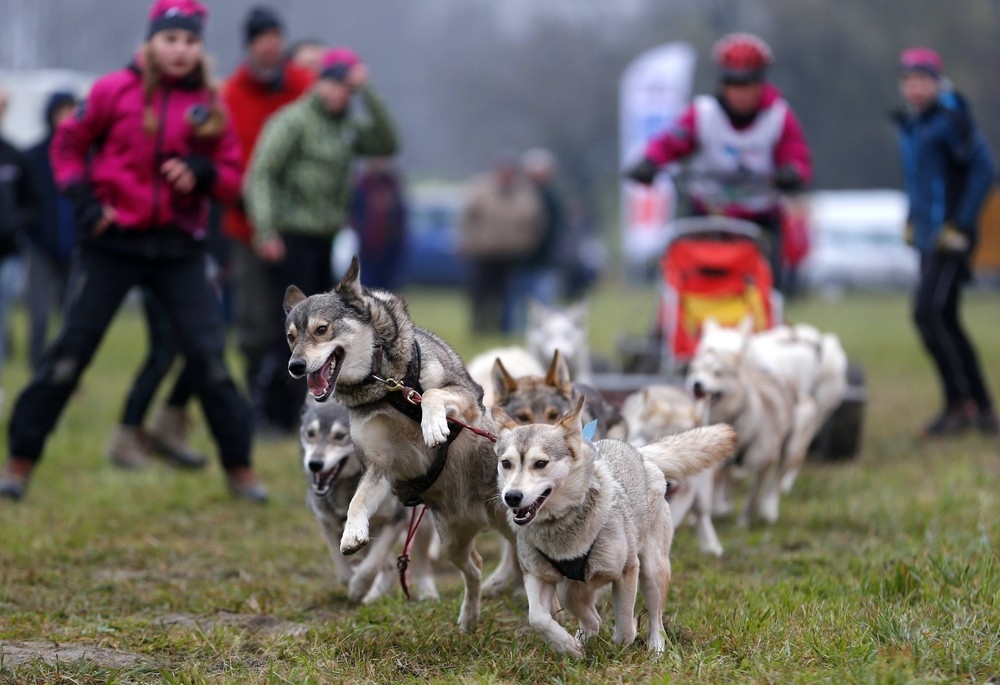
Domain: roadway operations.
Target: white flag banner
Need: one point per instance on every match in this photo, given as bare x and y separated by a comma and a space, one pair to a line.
655, 88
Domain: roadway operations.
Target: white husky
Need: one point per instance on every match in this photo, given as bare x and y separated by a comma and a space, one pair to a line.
587, 515
554, 328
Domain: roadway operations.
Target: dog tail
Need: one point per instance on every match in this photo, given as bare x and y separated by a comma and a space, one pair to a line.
684, 454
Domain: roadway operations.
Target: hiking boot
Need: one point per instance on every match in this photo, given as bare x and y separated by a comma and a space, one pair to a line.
168, 437
987, 422
949, 422
243, 484
128, 449
15, 477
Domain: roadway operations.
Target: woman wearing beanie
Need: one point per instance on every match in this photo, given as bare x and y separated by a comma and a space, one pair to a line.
140, 162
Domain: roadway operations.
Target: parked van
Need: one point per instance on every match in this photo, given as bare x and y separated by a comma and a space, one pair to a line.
856, 241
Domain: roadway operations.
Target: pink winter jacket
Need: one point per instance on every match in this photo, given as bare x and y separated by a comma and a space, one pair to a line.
106, 147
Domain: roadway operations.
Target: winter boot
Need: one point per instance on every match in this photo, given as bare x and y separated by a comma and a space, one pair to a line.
15, 477
168, 437
243, 484
127, 448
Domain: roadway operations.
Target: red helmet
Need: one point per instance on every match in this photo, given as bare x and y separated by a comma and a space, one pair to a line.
742, 57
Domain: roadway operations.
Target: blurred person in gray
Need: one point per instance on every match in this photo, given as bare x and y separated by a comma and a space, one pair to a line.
501, 229
545, 281
51, 236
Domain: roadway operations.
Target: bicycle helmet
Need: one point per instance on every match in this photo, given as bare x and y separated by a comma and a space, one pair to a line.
742, 58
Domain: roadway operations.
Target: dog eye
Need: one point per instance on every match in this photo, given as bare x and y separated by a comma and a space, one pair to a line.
540, 464
505, 464
524, 417
291, 337
310, 434
339, 435
322, 329
552, 416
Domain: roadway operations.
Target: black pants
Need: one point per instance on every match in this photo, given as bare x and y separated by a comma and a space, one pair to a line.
935, 312
162, 353
99, 282
492, 295
277, 396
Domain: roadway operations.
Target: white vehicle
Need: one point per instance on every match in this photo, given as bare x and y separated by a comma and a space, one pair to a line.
857, 241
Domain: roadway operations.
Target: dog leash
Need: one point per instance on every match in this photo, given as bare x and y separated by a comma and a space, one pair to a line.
403, 560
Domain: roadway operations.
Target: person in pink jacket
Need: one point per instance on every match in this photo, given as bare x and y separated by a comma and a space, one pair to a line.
140, 162
741, 145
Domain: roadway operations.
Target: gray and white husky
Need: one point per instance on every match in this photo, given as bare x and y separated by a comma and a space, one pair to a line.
589, 514
361, 347
333, 473
563, 329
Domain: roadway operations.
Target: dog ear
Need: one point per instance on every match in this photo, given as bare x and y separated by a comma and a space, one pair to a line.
292, 297
558, 376
572, 427
503, 422
578, 313
503, 383
746, 325
709, 325
350, 284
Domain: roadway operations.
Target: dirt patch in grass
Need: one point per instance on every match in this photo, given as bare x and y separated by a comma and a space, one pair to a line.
22, 653
252, 623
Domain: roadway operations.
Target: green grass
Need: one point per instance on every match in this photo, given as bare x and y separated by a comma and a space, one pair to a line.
882, 570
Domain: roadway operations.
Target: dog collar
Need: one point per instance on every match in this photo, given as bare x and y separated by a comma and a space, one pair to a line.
574, 569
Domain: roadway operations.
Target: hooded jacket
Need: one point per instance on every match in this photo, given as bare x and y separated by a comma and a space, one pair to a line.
105, 151
948, 168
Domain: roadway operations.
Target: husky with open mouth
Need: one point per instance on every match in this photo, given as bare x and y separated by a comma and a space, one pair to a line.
589, 514
405, 390
333, 473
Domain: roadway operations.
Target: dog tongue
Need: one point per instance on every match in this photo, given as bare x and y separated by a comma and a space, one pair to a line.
319, 381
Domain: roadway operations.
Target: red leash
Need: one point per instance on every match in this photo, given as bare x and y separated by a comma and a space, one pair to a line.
403, 560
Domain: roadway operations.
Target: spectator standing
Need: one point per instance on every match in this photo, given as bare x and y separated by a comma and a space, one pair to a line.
264, 83
52, 234
501, 230
378, 214
948, 170
140, 162
738, 143
307, 53
549, 260
298, 192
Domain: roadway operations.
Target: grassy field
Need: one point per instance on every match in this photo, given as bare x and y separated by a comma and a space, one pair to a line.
882, 570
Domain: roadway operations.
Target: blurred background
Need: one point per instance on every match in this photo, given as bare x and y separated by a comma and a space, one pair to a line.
468, 79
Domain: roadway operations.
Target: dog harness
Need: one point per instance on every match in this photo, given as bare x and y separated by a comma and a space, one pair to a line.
407, 403
574, 569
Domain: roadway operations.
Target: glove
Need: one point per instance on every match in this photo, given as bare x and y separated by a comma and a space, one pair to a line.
787, 178
644, 172
951, 239
908, 234
87, 209
203, 170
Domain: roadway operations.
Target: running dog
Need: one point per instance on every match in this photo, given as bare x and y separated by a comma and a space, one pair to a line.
812, 361
660, 410
554, 328
591, 514
405, 391
761, 407
333, 472
545, 399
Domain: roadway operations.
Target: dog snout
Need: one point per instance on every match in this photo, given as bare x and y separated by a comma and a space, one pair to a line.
513, 497
315, 465
698, 389
297, 367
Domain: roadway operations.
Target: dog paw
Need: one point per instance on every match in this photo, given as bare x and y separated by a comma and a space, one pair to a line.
570, 646
434, 424
656, 644
353, 541
426, 590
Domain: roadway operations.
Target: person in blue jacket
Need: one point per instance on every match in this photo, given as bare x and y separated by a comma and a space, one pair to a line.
948, 171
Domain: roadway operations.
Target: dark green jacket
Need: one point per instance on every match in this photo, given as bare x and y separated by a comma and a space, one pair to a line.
299, 178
